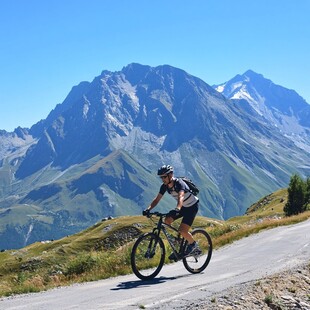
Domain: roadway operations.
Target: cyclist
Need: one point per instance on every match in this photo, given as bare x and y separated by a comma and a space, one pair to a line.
187, 206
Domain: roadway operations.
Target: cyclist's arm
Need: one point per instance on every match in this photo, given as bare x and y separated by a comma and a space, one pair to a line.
180, 199
155, 201
159, 196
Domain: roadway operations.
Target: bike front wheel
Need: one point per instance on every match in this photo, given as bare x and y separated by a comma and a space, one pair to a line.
147, 256
197, 263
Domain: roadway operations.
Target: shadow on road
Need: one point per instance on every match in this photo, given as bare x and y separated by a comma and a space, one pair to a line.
139, 283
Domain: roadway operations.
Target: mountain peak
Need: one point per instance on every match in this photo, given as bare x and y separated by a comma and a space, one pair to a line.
96, 153
251, 73
281, 106
254, 77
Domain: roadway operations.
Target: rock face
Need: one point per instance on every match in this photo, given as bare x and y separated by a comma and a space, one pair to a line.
287, 290
280, 106
97, 153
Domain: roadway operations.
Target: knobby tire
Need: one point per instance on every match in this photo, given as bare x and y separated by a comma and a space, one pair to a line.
147, 256
196, 264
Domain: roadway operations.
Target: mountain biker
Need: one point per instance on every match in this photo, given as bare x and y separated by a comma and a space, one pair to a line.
187, 206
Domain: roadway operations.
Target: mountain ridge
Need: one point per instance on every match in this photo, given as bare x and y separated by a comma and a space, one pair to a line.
267, 97
142, 117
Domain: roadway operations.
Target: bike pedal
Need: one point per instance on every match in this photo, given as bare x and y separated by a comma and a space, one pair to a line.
194, 254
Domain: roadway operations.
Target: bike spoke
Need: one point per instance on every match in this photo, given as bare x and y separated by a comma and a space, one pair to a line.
147, 256
197, 263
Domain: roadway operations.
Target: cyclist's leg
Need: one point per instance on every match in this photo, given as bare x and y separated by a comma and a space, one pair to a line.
184, 231
169, 219
189, 215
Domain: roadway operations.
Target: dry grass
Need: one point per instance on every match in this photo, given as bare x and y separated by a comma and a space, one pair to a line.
103, 250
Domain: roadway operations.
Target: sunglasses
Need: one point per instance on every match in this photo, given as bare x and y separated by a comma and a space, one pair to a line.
163, 176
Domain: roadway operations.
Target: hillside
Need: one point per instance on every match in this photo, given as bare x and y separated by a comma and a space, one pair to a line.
103, 250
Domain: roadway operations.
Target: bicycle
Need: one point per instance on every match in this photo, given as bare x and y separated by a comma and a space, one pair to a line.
148, 252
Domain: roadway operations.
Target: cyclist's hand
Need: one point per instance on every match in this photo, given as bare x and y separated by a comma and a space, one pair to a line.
146, 212
174, 213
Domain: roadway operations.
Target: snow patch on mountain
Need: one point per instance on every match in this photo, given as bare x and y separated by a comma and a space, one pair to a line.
117, 123
85, 107
220, 88
275, 110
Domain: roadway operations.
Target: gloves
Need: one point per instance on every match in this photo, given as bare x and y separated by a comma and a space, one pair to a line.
174, 213
146, 212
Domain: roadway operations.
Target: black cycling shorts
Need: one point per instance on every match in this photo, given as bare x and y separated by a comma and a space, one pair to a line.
188, 214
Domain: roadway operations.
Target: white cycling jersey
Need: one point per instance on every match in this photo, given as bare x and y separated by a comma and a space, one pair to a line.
179, 185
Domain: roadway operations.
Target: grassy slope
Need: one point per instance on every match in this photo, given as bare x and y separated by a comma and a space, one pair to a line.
103, 250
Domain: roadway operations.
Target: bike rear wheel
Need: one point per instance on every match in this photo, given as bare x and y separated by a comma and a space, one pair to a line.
197, 263
147, 256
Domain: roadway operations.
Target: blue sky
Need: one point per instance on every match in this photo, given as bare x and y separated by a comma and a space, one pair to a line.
47, 47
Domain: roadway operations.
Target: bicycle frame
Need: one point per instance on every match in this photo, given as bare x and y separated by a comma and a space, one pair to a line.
162, 226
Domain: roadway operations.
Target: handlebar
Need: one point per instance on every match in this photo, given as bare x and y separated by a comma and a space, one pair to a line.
158, 214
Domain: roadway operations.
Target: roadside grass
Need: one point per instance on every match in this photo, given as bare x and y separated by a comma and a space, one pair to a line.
103, 250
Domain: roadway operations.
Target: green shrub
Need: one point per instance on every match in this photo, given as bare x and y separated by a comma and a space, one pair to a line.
298, 196
268, 299
81, 264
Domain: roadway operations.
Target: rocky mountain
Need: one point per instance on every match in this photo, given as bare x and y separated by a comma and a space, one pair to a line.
280, 107
97, 153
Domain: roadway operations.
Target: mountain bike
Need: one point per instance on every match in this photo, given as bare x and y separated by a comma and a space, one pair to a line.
148, 252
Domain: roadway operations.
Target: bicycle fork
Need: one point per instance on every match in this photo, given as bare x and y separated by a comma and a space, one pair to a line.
150, 252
